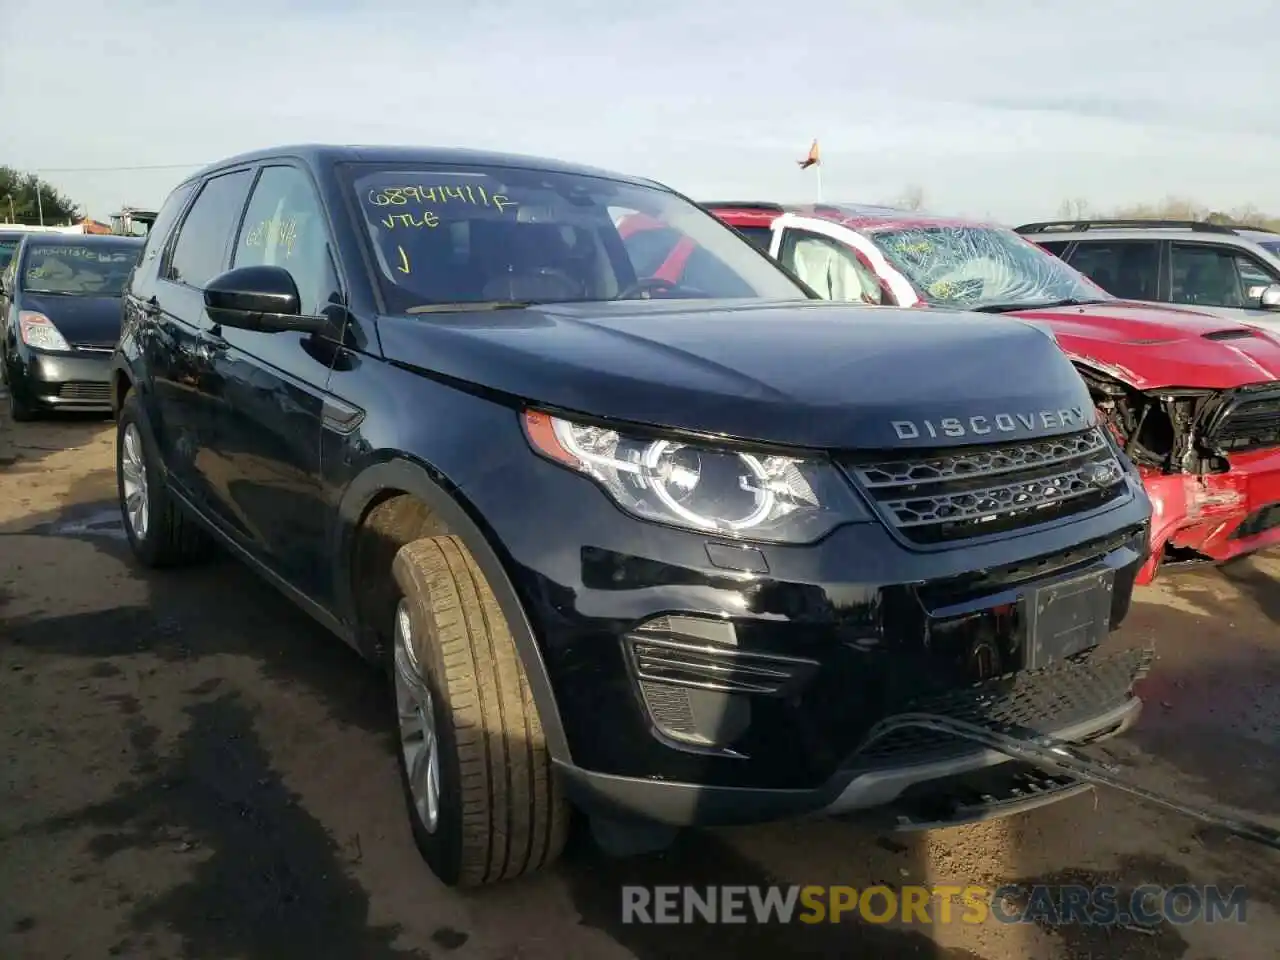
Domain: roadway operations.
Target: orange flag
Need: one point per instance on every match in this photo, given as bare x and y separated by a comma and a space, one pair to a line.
813, 159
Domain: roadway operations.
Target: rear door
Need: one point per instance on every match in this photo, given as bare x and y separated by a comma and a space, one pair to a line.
180, 378
263, 457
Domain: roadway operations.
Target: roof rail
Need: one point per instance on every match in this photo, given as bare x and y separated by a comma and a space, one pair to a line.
742, 205
1079, 226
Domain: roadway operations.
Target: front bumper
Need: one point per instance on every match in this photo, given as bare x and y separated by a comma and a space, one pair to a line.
695, 683
1221, 515
1080, 702
79, 380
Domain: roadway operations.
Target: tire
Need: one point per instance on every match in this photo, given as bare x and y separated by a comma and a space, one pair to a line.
20, 411
167, 537
501, 812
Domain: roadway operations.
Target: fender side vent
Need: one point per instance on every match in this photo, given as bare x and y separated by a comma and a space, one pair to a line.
1230, 335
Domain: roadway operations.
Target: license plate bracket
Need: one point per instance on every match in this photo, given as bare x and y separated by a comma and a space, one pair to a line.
1068, 617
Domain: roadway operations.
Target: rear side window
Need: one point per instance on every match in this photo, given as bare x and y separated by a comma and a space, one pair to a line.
165, 220
1124, 268
201, 249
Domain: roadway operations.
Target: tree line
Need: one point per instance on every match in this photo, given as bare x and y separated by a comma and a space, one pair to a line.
24, 197
1170, 208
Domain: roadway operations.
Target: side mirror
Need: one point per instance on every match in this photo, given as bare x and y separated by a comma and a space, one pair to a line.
1270, 299
262, 298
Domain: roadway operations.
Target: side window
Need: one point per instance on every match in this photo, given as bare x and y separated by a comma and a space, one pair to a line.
759, 236
1254, 277
1205, 276
1124, 268
200, 252
829, 267
284, 226
1056, 247
165, 220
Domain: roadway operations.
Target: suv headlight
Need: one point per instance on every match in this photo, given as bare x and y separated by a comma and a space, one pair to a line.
39, 332
728, 493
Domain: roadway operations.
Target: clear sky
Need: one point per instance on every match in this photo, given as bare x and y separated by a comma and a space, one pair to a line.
994, 107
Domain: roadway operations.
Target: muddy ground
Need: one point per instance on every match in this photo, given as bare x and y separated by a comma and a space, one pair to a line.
192, 769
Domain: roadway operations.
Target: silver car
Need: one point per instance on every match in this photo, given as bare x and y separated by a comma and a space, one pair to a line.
1233, 271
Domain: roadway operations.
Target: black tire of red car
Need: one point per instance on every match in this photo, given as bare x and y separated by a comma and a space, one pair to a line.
172, 538
501, 811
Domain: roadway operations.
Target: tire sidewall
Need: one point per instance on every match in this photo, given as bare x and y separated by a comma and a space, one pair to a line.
145, 548
443, 848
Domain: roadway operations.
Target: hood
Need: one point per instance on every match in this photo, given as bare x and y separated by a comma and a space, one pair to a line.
1150, 346
813, 374
83, 321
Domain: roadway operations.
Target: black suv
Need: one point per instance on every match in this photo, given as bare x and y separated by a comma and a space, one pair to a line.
668, 554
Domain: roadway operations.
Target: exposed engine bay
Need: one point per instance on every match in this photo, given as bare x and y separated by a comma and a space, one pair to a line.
1184, 430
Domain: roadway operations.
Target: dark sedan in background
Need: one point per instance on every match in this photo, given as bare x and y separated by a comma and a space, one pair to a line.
60, 303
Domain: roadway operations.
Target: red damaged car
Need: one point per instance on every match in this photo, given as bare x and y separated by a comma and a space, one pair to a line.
1194, 398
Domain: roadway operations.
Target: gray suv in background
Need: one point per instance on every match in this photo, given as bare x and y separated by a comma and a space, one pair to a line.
1229, 270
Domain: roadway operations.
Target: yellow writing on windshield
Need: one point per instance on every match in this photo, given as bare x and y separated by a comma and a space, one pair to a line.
919, 249
470, 194
278, 233
426, 219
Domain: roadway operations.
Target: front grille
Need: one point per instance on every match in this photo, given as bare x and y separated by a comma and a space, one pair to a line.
85, 392
1249, 423
1029, 703
941, 497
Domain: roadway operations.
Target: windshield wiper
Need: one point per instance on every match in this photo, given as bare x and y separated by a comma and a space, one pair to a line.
1045, 305
469, 306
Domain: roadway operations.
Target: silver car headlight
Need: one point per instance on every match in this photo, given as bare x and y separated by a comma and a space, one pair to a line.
724, 492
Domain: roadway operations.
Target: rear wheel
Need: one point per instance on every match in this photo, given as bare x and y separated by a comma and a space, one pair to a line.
160, 534
483, 800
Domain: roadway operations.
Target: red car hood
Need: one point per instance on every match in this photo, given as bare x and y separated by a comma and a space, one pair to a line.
1150, 346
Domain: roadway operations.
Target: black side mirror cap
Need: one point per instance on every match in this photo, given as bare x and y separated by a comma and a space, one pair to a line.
259, 298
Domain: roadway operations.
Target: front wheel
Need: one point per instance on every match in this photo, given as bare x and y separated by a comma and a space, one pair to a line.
484, 802
160, 534
19, 410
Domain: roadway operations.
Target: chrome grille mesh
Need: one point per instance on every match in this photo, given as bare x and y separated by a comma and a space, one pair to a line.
949, 496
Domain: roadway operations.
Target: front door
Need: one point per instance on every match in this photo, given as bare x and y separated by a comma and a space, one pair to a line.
174, 323
264, 446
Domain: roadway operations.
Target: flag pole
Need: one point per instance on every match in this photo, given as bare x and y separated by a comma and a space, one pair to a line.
818, 167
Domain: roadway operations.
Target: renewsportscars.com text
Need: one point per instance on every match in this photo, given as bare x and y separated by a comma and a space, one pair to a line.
1148, 905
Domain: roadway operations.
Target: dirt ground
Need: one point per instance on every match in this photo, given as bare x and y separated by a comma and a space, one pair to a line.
192, 769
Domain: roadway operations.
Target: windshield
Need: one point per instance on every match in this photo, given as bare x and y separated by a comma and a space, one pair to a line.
972, 267
497, 236
100, 270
